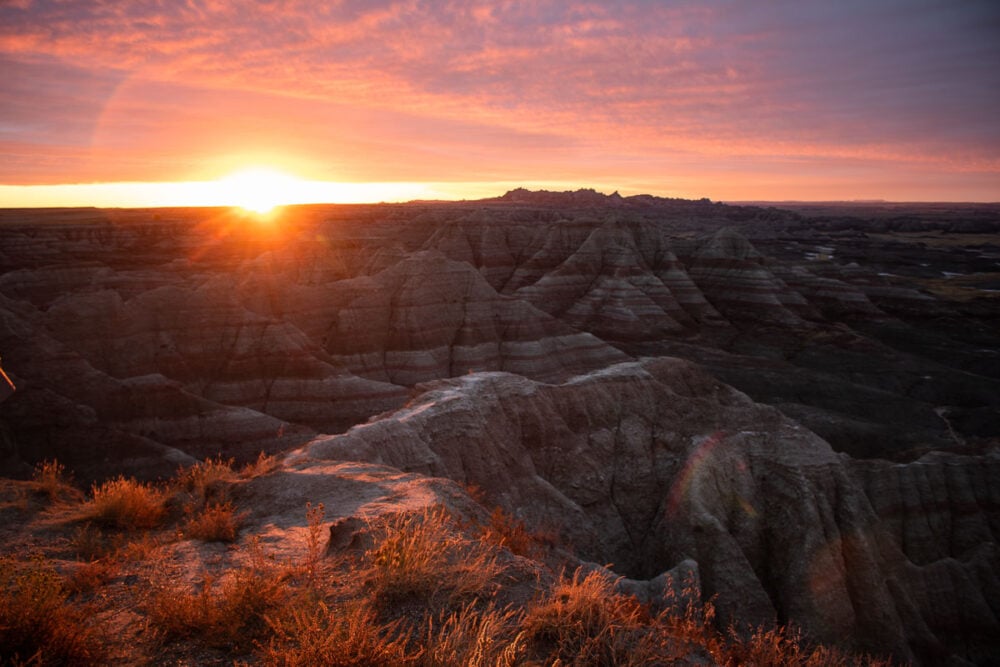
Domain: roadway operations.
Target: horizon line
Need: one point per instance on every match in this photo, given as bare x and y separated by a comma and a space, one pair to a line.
139, 195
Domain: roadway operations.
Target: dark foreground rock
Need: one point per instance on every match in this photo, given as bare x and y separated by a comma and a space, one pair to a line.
647, 465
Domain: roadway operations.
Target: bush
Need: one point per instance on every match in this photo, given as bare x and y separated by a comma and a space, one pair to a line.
206, 481
126, 504
51, 480
37, 623
214, 523
264, 464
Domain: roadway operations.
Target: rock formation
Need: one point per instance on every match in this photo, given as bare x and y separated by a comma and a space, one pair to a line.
645, 465
800, 413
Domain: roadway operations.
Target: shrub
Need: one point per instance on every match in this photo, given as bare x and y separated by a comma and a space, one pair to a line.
422, 558
51, 480
214, 523
264, 464
206, 481
316, 636
126, 504
37, 623
87, 577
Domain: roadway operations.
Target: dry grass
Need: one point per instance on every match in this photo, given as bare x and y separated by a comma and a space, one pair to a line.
314, 539
89, 576
476, 638
205, 482
424, 559
262, 466
125, 504
507, 531
38, 623
348, 636
214, 523
690, 624
584, 622
51, 480
230, 613
90, 543
785, 646
141, 549
424, 593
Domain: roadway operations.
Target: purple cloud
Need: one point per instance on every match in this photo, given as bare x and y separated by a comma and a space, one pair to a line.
630, 83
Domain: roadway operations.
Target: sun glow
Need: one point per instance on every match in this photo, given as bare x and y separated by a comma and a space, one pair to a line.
257, 189
260, 190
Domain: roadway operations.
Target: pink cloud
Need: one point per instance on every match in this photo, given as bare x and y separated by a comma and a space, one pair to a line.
508, 89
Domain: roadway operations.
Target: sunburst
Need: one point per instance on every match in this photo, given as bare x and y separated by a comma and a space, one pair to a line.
260, 189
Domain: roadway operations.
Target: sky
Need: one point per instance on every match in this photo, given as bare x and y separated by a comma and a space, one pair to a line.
143, 102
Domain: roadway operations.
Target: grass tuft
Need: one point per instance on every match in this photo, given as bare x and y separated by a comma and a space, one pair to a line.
214, 523
424, 559
51, 480
125, 504
205, 482
476, 638
583, 621
228, 614
263, 465
507, 531
349, 636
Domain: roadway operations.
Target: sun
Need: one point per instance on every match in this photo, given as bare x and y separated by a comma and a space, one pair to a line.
259, 189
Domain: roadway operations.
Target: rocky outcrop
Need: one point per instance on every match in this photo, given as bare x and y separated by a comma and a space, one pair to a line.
943, 512
647, 464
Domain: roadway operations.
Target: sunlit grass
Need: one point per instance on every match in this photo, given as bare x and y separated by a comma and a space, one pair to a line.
427, 590
125, 504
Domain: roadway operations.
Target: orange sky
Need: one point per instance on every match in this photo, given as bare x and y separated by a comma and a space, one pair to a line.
733, 101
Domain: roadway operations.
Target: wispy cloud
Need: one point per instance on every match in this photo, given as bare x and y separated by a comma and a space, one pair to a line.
417, 89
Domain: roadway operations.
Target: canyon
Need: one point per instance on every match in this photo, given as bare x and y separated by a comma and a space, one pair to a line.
799, 405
